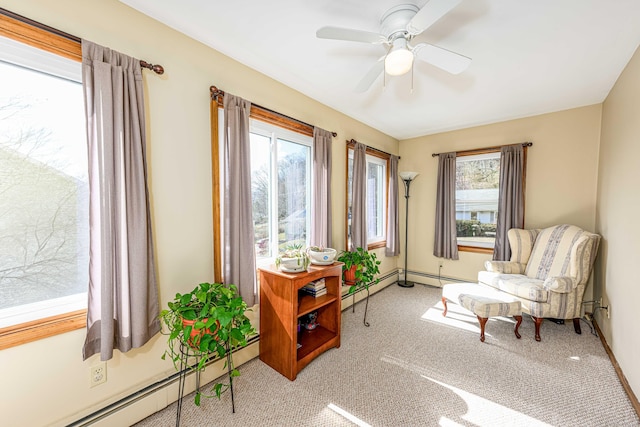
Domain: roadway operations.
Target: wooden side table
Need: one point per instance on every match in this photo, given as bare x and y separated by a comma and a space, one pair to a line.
281, 306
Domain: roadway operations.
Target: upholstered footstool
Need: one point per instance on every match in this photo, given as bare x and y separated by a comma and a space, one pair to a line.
482, 302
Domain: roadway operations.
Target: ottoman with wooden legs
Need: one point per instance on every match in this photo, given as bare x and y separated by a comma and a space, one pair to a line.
482, 302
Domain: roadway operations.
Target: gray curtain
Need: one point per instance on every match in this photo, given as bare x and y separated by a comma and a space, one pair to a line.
359, 198
123, 297
510, 198
321, 194
238, 241
393, 225
445, 244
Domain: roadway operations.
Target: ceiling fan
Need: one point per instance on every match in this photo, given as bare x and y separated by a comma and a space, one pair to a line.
398, 26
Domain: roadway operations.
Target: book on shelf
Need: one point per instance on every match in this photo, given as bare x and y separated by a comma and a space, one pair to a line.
316, 288
315, 285
314, 293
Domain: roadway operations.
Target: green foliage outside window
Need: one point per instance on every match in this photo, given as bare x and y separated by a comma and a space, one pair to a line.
474, 228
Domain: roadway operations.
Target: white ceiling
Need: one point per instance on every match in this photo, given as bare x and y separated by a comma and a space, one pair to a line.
529, 56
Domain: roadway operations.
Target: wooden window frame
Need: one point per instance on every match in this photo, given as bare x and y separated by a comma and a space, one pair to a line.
476, 249
258, 113
51, 40
386, 157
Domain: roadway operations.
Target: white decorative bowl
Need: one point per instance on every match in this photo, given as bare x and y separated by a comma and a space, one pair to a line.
322, 257
292, 265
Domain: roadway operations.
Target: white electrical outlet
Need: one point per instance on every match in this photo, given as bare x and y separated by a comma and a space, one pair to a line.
98, 374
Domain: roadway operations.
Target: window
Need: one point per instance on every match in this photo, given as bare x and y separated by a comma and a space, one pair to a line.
44, 240
281, 188
477, 186
377, 184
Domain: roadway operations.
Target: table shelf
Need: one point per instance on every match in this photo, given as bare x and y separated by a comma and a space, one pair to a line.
282, 305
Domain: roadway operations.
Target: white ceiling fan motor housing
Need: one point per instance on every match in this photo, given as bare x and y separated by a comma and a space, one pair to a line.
395, 20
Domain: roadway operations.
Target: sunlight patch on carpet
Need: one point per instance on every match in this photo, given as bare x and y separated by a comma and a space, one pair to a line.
357, 421
483, 412
448, 422
457, 317
460, 318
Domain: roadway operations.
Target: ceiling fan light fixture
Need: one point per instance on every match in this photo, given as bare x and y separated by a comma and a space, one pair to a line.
400, 59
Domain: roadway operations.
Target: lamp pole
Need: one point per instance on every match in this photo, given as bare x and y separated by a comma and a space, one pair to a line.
407, 177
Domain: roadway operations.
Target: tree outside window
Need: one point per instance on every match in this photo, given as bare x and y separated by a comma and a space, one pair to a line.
44, 216
281, 189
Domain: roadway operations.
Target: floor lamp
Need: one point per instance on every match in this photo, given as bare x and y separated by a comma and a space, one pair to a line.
407, 177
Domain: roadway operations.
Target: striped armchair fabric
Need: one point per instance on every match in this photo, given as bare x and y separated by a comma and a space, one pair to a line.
548, 271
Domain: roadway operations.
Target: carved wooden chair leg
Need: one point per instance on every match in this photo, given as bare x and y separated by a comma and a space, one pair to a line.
518, 323
483, 321
444, 302
538, 322
576, 326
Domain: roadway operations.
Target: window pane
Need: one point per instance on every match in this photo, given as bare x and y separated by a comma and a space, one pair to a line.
376, 190
43, 188
375, 201
281, 189
477, 186
293, 191
261, 193
349, 195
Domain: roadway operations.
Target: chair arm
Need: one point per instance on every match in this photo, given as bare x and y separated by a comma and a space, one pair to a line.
505, 267
560, 284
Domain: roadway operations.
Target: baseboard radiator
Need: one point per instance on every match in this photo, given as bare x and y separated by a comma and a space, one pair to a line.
125, 402
101, 416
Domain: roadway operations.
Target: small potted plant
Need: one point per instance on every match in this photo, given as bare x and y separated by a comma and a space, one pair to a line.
208, 321
293, 259
321, 256
360, 268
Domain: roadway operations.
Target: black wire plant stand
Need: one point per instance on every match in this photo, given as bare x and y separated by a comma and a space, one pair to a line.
359, 287
185, 368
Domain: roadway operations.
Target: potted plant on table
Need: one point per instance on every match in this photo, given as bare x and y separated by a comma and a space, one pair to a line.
208, 321
321, 256
360, 268
293, 259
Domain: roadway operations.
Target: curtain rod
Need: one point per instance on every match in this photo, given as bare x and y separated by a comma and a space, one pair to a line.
524, 144
353, 141
158, 69
217, 93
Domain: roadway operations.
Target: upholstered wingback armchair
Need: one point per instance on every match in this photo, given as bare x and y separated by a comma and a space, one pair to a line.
548, 271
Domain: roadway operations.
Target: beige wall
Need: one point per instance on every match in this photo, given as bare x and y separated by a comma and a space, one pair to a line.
561, 179
618, 202
49, 374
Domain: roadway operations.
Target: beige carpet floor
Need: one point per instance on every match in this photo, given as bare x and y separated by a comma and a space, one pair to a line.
412, 367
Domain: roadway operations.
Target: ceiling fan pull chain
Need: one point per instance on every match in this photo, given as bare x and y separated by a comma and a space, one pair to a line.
412, 67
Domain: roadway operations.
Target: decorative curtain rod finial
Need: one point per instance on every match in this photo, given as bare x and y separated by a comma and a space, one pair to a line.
158, 69
215, 92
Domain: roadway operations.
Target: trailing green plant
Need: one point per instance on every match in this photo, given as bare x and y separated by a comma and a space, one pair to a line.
209, 321
366, 264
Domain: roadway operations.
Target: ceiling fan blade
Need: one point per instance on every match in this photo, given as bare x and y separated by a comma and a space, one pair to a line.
429, 14
371, 76
338, 33
442, 58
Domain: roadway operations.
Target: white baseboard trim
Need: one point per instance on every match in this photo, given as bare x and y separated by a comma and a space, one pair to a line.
157, 396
